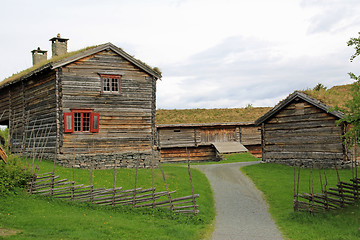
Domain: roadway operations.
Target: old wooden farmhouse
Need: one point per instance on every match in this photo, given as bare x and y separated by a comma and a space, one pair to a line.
97, 103
206, 141
301, 129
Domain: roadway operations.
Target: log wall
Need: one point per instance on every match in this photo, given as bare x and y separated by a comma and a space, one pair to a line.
201, 153
4, 106
192, 135
180, 136
30, 114
126, 119
302, 132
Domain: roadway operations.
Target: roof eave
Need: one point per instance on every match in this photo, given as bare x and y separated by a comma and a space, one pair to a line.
204, 124
34, 72
289, 99
105, 47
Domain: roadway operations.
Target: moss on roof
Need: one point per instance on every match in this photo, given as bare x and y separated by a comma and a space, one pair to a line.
42, 64
335, 96
219, 115
23, 73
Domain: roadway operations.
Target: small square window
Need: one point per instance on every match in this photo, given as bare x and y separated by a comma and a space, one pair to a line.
110, 83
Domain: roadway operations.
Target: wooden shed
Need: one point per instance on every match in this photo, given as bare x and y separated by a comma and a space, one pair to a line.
200, 140
98, 102
301, 129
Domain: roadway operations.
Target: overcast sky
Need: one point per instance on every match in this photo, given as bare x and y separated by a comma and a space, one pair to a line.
212, 53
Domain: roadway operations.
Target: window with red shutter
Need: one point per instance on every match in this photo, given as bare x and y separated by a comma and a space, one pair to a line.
81, 120
69, 122
94, 122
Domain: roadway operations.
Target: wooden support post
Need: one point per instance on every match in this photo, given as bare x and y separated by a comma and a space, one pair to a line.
191, 183
311, 188
43, 146
166, 186
34, 148
114, 186
153, 176
263, 142
136, 174
72, 175
298, 183
294, 196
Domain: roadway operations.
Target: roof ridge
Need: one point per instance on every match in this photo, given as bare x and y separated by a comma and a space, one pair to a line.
72, 56
290, 98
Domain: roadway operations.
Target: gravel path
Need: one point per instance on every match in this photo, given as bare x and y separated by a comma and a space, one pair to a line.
241, 211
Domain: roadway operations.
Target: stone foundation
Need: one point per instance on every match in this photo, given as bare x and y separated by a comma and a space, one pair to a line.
313, 163
107, 161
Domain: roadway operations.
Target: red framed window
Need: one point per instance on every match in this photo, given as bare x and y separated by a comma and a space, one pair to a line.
81, 120
110, 83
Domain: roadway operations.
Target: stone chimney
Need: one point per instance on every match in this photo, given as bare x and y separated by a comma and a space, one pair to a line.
38, 56
58, 45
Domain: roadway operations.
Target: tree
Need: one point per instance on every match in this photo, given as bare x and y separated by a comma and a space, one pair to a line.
352, 107
319, 87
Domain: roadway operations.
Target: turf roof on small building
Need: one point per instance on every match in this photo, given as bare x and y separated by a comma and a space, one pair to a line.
217, 115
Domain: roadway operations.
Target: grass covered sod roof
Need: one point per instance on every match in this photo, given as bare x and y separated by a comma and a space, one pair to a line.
335, 96
217, 115
70, 57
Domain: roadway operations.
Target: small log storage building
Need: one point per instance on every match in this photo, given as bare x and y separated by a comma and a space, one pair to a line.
199, 139
300, 129
97, 102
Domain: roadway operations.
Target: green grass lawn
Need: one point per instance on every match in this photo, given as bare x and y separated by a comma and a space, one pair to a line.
38, 217
277, 183
228, 158
239, 157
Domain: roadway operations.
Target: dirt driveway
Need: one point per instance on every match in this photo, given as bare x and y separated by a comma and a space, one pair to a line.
241, 211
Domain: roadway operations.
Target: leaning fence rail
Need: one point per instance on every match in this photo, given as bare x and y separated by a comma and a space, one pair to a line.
330, 198
49, 184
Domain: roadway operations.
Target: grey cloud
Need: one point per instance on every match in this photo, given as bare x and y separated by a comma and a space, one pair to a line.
331, 13
256, 76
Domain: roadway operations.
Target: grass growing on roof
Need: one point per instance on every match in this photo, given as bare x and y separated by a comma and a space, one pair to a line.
41, 64
277, 183
38, 217
218, 115
335, 96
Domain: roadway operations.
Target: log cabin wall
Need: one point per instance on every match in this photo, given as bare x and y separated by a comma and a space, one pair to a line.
178, 137
250, 135
40, 115
30, 115
126, 125
220, 134
181, 154
4, 106
304, 133
173, 139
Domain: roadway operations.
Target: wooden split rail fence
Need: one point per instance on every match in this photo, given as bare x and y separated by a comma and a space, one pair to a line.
343, 195
3, 155
48, 184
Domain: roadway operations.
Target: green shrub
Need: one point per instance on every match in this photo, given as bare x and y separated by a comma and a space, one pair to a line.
13, 175
4, 139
